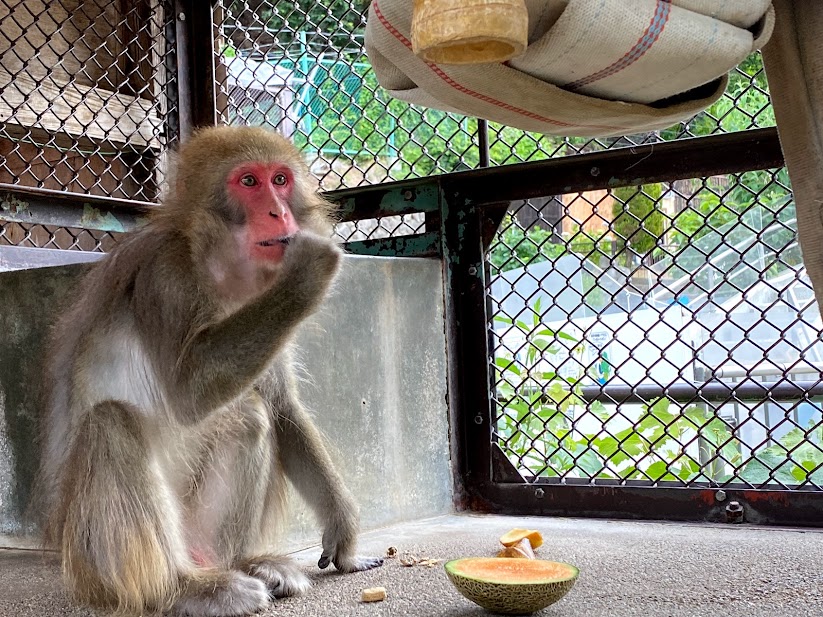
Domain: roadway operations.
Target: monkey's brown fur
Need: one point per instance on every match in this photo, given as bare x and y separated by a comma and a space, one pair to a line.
172, 414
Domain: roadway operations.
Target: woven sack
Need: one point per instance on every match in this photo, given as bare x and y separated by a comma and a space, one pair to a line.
592, 67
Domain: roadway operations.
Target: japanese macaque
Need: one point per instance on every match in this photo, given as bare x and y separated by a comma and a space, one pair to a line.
172, 420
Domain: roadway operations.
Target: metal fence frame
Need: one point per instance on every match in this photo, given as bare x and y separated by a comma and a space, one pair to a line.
472, 205
463, 211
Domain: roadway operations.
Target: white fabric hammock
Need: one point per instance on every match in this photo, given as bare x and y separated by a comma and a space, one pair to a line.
592, 67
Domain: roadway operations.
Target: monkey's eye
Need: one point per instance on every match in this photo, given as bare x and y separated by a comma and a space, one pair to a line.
248, 180
280, 179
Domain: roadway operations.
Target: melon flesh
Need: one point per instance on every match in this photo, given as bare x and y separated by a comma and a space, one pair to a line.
513, 571
516, 535
511, 586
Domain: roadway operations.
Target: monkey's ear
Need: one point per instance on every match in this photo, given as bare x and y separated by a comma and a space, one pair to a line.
329, 210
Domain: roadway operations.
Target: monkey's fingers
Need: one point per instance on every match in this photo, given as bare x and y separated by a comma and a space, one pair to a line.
325, 560
367, 563
358, 564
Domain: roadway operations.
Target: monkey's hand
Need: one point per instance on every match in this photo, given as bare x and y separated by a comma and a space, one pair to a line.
338, 546
310, 264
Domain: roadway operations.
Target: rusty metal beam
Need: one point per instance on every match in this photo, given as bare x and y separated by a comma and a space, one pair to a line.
46, 207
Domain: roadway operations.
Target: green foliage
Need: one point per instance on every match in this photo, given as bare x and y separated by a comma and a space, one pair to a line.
745, 104
333, 20
637, 220
516, 247
542, 412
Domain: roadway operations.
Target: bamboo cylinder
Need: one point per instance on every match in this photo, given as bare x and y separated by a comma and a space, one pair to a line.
469, 31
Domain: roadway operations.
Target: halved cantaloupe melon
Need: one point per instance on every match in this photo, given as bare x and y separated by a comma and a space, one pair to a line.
515, 535
511, 586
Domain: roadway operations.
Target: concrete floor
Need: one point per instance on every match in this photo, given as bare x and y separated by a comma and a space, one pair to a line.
628, 569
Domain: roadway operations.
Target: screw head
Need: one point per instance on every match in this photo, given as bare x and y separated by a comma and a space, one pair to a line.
181, 16
595, 171
539, 493
478, 419
472, 271
734, 512
720, 495
408, 195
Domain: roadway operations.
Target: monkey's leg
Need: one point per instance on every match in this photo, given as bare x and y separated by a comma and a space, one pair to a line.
119, 536
121, 540
242, 497
309, 467
281, 575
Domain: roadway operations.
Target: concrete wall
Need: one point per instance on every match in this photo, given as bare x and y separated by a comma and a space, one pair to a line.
376, 355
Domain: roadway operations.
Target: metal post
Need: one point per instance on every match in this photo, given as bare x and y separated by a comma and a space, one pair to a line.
195, 64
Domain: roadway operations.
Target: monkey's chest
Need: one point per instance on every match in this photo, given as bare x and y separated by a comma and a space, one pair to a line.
120, 370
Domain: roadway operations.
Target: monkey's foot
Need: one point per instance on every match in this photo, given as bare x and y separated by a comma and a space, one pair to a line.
281, 575
226, 594
350, 564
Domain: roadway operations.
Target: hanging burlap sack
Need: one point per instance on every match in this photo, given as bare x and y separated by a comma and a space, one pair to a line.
592, 67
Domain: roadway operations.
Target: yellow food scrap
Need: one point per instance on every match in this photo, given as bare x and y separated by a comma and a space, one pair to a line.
373, 594
516, 535
521, 550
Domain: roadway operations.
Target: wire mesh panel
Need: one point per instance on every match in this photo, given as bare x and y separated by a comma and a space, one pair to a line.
664, 333
650, 334
87, 95
64, 238
300, 67
386, 227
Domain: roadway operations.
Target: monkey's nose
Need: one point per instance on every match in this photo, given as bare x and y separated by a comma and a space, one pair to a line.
274, 214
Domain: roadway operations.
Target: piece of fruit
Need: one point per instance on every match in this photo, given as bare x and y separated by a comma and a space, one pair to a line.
521, 550
373, 594
515, 535
511, 586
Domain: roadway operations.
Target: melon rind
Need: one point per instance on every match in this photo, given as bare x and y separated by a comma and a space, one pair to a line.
511, 598
514, 536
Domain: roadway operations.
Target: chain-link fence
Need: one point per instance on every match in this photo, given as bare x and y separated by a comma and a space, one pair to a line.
300, 67
87, 104
52, 237
666, 333
90, 104
660, 333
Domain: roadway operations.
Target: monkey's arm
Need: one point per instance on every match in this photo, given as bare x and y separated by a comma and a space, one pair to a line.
223, 359
310, 469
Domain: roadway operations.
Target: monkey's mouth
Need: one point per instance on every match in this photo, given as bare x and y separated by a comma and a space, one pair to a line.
275, 241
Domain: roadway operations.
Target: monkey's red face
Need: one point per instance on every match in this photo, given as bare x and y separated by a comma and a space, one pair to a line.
264, 190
